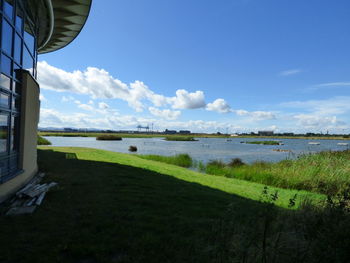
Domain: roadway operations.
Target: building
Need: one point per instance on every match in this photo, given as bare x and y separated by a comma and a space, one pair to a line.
170, 131
184, 132
28, 28
265, 133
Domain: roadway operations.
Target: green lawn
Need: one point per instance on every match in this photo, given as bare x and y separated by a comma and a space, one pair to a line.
113, 207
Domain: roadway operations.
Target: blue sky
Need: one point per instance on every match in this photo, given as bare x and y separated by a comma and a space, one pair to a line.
204, 65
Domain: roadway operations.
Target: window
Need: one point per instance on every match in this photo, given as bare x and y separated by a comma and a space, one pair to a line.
6, 36
3, 132
17, 51
6, 64
8, 8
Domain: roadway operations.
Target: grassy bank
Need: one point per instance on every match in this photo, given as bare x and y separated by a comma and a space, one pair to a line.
325, 172
113, 207
43, 141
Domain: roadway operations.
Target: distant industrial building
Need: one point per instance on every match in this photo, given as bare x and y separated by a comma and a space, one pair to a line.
170, 131
184, 132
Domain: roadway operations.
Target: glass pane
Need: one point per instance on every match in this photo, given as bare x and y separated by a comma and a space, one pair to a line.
3, 132
5, 82
8, 8
3, 167
19, 19
27, 61
14, 130
29, 40
4, 100
6, 37
17, 87
18, 49
15, 103
6, 64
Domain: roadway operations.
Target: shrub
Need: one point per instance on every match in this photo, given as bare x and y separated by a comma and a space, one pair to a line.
132, 148
236, 162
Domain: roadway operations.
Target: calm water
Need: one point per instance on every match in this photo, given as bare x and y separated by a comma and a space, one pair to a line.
206, 149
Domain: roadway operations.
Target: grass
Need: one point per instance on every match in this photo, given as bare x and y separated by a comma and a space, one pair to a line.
263, 142
325, 172
114, 207
108, 137
183, 160
43, 141
180, 138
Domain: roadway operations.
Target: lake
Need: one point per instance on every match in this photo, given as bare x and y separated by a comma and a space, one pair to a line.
206, 149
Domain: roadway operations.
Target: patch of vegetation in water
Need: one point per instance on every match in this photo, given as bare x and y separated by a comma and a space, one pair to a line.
180, 138
264, 142
108, 137
42, 141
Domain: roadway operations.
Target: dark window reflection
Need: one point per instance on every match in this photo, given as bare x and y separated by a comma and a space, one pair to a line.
18, 48
4, 100
5, 82
3, 132
6, 36
6, 65
15, 103
8, 8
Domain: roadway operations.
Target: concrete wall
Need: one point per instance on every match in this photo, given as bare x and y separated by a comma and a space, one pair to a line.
30, 106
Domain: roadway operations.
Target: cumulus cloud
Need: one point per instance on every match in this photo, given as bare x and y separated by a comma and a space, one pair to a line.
290, 72
98, 83
187, 100
219, 105
256, 115
165, 114
42, 98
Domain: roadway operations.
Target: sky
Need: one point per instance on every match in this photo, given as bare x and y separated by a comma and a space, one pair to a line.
203, 65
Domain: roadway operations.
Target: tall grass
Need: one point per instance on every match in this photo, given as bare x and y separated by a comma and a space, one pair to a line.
325, 172
183, 160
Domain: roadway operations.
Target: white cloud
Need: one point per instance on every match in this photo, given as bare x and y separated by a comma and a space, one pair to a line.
187, 100
256, 115
67, 99
166, 114
310, 121
86, 107
219, 105
290, 72
42, 98
333, 84
331, 106
91, 102
98, 83
103, 105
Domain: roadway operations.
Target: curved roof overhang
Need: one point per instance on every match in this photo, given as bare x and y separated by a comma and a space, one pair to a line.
60, 23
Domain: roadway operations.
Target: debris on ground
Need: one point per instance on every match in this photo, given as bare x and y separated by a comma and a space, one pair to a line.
30, 196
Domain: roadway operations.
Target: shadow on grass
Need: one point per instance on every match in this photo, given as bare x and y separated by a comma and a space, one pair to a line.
105, 212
